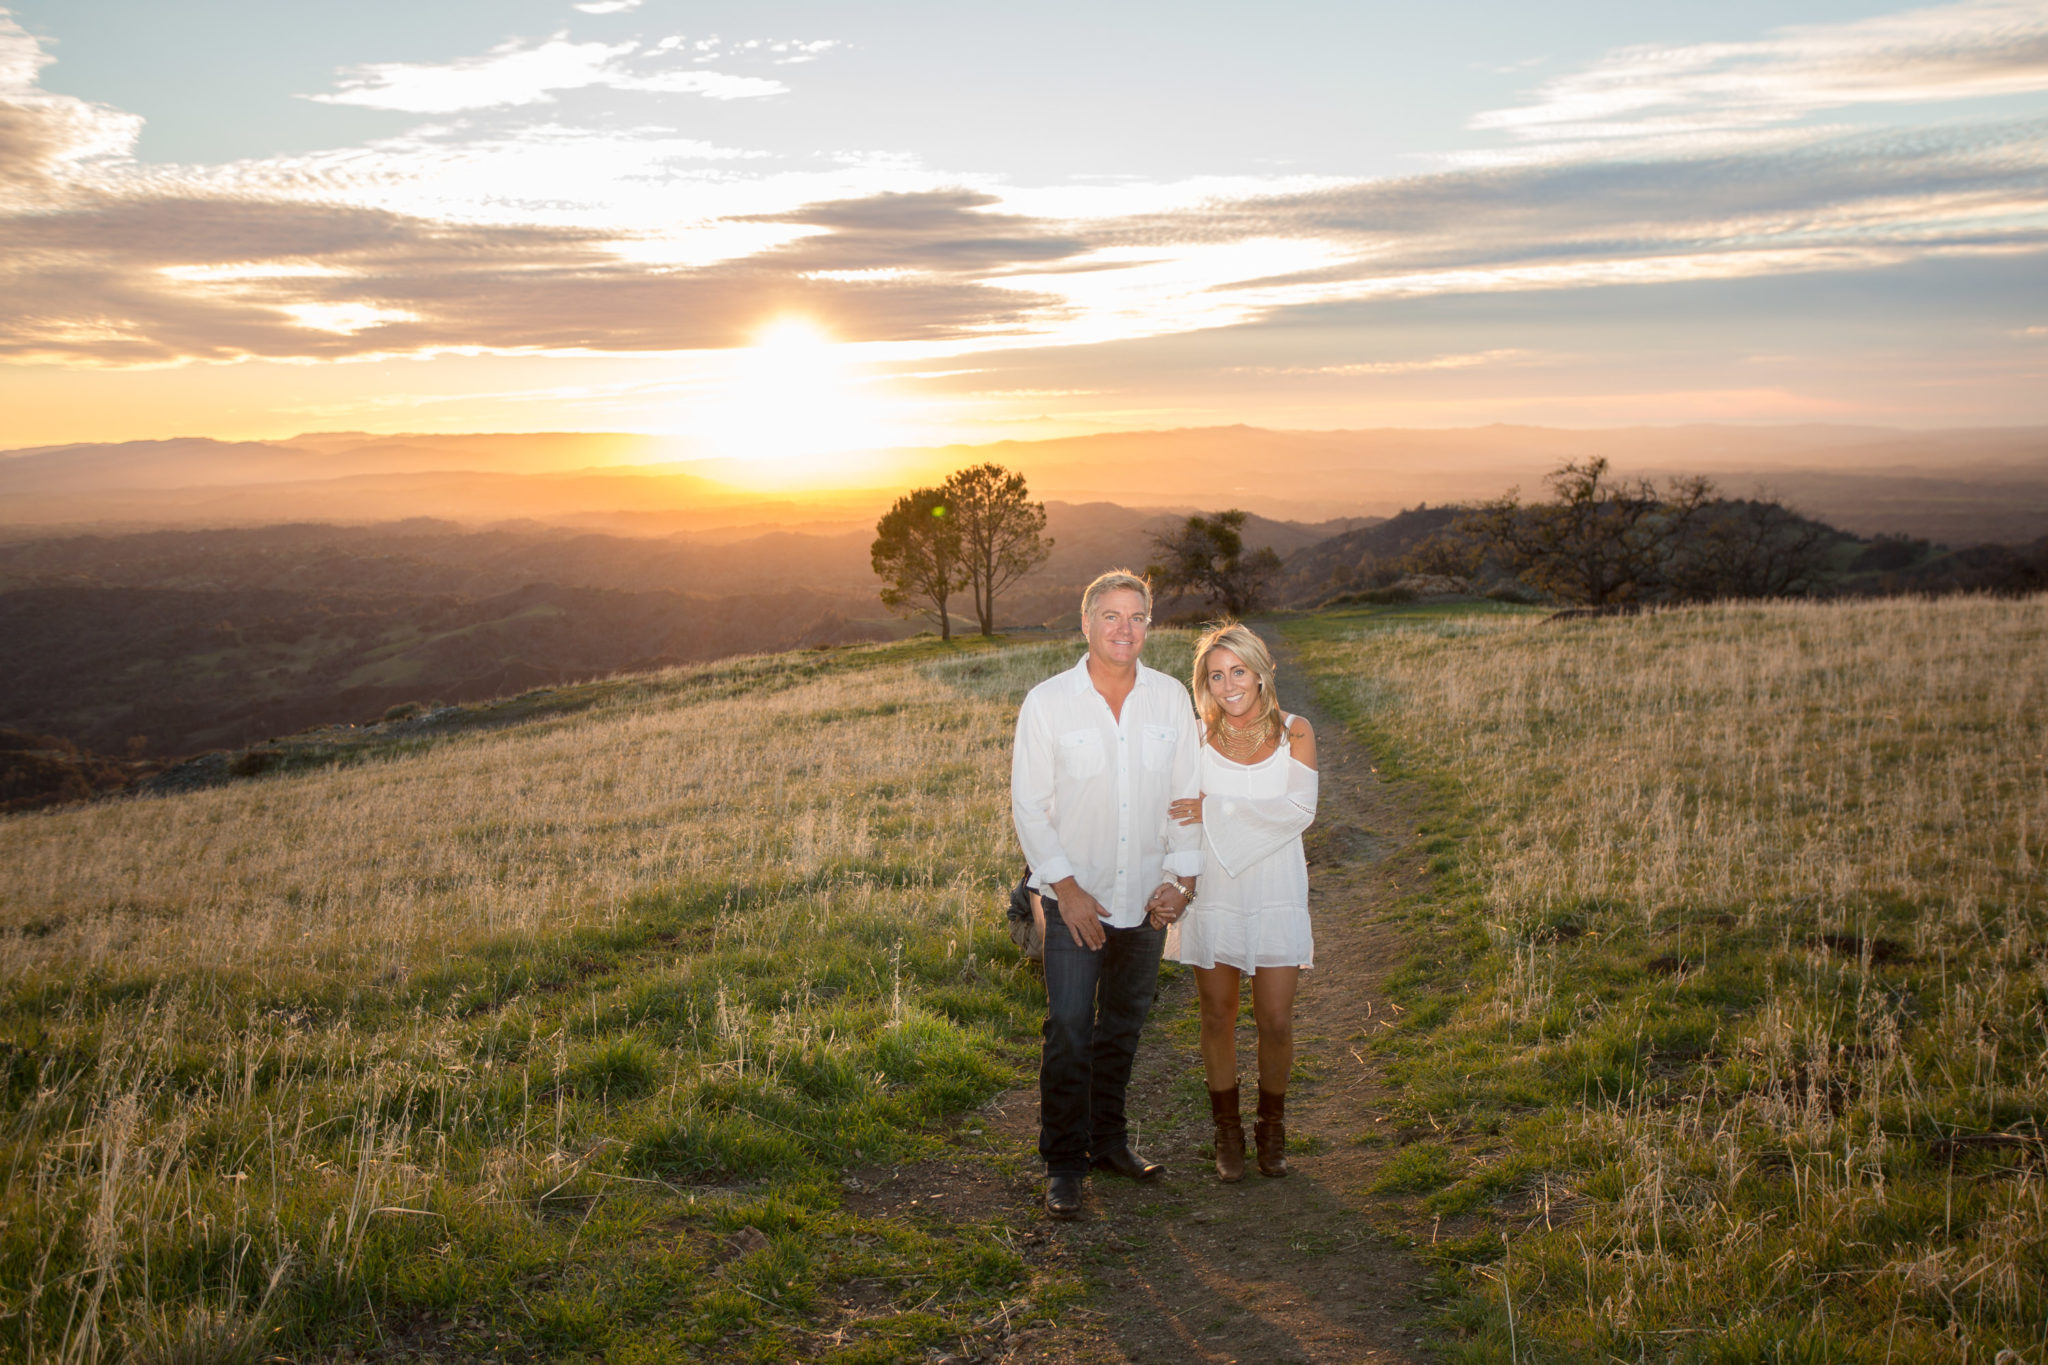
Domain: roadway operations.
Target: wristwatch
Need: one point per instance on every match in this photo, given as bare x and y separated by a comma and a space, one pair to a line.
1187, 892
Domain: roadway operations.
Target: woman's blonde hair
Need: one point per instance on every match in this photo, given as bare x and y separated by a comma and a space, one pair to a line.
1239, 640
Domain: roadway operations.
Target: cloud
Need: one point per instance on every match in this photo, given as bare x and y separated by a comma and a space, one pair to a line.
516, 73
510, 74
792, 53
100, 291
1387, 367
609, 6
41, 135
273, 265
1950, 52
943, 231
507, 235
715, 85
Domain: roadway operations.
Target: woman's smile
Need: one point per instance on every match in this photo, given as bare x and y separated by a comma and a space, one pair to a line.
1232, 683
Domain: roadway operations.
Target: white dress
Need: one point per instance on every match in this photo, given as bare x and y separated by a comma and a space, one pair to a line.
1251, 905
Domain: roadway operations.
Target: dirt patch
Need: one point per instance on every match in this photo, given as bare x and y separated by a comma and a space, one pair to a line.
1189, 1269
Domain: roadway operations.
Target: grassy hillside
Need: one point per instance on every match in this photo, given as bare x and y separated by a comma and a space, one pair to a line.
1726, 1036
1730, 1018
553, 1042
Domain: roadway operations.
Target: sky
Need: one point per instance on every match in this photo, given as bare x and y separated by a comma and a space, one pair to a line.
776, 229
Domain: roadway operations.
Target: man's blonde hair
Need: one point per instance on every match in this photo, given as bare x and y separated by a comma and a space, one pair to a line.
1114, 581
1236, 637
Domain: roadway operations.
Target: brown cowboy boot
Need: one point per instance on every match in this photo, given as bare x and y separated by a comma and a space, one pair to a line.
1229, 1135
1270, 1132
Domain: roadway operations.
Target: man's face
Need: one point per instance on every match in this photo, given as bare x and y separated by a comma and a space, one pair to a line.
1115, 629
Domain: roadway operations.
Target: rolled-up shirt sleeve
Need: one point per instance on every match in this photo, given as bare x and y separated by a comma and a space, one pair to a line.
1184, 842
1031, 796
1243, 830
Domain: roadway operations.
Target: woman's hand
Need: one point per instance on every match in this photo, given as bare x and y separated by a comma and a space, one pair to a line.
1165, 905
1187, 810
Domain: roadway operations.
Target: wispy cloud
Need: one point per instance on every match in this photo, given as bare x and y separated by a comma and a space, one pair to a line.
1374, 368
1948, 52
516, 73
609, 6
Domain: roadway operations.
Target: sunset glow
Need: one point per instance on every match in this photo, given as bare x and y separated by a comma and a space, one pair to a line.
784, 403
721, 223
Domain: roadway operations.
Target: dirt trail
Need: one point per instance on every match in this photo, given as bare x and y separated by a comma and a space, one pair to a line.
1189, 1269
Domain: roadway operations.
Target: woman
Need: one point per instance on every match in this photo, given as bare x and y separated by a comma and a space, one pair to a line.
1250, 917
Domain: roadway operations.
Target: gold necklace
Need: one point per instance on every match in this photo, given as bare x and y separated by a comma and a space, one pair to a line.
1238, 744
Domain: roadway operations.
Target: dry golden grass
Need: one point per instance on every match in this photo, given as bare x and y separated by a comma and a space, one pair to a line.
531, 829
1766, 933
290, 1060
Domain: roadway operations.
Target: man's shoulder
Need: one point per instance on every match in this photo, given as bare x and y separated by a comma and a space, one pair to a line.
1170, 685
1050, 689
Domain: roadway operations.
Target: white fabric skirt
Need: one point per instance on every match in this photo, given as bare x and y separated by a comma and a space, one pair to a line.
1274, 936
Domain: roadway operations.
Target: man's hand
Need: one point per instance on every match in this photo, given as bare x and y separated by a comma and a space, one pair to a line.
1166, 905
1081, 913
1187, 810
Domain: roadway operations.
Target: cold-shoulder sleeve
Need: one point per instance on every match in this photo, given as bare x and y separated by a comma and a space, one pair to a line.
1242, 830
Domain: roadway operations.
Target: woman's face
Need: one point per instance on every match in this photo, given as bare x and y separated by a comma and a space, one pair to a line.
1234, 686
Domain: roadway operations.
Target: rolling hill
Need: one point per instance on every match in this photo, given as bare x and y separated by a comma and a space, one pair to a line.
605, 1029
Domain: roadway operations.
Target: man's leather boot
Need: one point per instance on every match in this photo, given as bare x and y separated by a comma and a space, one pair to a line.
1063, 1196
1229, 1135
1129, 1164
1270, 1132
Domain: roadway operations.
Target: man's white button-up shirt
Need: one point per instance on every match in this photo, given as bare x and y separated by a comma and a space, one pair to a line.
1088, 790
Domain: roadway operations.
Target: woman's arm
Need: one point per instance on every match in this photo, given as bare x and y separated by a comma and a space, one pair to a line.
1301, 742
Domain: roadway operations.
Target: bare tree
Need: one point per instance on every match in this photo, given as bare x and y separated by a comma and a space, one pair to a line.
1751, 547
1207, 555
917, 554
1600, 541
1001, 533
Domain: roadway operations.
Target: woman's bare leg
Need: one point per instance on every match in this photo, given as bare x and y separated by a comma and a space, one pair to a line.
1217, 989
1273, 1011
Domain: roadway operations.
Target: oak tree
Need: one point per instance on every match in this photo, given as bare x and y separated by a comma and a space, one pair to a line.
1600, 541
1001, 533
1206, 555
1752, 547
917, 554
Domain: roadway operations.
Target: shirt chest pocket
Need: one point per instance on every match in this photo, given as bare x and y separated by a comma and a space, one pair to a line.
1080, 753
1157, 753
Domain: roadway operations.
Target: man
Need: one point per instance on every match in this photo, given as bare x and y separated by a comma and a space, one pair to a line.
1101, 749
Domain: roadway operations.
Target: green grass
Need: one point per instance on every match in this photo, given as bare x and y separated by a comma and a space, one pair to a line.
620, 1129
1723, 1012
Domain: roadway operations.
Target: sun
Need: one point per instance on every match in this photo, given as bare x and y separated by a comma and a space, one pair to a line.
791, 398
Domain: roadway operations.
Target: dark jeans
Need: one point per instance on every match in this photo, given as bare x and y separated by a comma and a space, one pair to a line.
1096, 1003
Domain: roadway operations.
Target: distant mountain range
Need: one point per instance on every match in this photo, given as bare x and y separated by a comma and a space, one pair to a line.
1957, 487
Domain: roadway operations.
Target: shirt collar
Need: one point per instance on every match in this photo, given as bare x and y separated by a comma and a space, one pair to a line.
1083, 683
